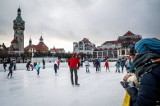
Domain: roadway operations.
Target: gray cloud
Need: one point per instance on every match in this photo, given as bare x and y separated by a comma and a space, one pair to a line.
72, 20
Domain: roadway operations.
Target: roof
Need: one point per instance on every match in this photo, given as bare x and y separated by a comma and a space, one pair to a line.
85, 40
14, 41
129, 33
29, 47
41, 47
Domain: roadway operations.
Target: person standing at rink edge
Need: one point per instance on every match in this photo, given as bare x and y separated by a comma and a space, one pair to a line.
147, 71
74, 64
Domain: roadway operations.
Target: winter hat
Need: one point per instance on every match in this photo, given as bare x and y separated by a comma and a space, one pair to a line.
147, 44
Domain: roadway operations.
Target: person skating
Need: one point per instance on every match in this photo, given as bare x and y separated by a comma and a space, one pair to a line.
87, 66
28, 65
55, 67
97, 64
10, 69
147, 70
43, 61
58, 63
122, 63
74, 64
117, 66
4, 64
38, 67
14, 65
107, 65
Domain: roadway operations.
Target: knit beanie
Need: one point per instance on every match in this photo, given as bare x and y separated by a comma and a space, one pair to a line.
147, 44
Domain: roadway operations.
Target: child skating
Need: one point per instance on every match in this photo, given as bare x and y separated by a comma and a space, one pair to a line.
107, 65
38, 66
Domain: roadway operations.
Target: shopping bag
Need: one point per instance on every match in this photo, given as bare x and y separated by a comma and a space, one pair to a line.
126, 101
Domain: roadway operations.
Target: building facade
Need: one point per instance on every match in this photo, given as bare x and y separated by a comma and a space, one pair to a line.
117, 48
83, 46
40, 47
57, 50
17, 44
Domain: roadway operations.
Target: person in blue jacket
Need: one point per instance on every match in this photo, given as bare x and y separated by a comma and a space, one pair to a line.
37, 67
10, 69
147, 70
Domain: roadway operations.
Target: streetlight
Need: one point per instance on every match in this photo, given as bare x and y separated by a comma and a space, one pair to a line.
32, 55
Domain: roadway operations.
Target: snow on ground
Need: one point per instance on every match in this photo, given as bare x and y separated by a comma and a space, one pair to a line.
26, 89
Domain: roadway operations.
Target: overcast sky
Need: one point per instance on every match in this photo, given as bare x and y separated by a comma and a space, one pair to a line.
62, 22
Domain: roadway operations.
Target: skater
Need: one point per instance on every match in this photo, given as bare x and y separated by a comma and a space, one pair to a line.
87, 66
74, 64
14, 65
31, 65
55, 68
43, 61
129, 65
4, 64
99, 60
118, 66
147, 70
58, 63
122, 63
10, 69
107, 65
28, 65
97, 64
38, 66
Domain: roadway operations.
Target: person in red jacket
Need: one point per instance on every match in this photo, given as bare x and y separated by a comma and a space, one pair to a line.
107, 65
74, 65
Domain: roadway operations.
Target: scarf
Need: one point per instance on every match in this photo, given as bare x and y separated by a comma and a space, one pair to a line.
142, 63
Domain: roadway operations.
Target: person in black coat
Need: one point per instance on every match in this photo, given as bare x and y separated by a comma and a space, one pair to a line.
28, 65
147, 70
43, 61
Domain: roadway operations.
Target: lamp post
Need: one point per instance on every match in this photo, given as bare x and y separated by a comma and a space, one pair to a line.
32, 55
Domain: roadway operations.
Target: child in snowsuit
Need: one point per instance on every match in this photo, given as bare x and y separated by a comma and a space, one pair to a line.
107, 65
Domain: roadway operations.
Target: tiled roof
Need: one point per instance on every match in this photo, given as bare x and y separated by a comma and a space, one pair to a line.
41, 47
85, 40
129, 33
14, 41
29, 47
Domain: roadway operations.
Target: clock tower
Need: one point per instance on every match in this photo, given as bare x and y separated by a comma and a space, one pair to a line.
19, 27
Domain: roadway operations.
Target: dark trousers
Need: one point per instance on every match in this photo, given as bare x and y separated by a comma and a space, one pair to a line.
4, 68
38, 71
75, 74
97, 68
10, 72
43, 66
55, 70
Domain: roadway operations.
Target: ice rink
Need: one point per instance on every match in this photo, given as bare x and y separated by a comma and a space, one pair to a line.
26, 89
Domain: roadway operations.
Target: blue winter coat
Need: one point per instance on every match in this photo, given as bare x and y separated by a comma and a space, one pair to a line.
38, 66
148, 89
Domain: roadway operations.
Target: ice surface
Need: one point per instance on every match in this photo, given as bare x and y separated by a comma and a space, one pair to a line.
26, 89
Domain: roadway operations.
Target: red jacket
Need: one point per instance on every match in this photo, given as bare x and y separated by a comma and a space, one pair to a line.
107, 64
73, 62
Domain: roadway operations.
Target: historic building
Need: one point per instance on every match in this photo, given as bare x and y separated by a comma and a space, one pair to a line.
117, 48
40, 47
17, 44
57, 50
83, 46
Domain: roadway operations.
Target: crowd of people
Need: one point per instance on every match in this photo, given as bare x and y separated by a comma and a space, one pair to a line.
142, 80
